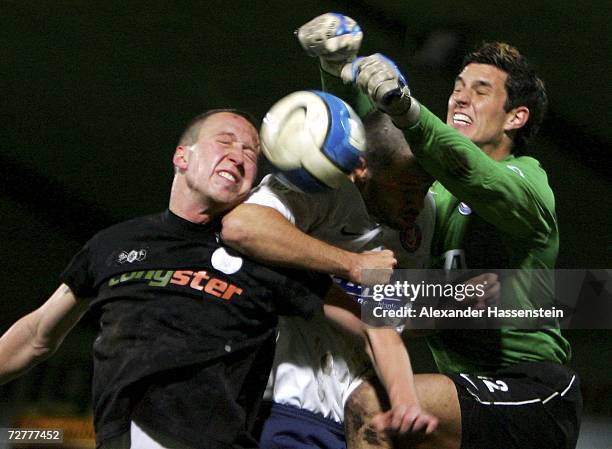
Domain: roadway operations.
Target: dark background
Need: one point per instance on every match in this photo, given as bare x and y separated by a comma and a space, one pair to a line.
95, 95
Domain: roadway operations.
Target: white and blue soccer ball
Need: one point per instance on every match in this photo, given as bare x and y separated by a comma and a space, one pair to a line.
313, 139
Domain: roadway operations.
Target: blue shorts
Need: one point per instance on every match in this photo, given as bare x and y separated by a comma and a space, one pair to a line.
290, 427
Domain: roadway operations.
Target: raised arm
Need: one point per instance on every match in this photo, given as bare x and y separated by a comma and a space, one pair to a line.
513, 194
36, 336
335, 40
265, 234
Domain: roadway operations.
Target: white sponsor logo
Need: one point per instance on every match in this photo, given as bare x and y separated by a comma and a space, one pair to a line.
135, 255
225, 262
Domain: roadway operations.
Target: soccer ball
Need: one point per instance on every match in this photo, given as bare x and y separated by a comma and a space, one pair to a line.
313, 140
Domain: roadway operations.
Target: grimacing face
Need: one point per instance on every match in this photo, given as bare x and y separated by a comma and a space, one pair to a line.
222, 163
396, 197
476, 105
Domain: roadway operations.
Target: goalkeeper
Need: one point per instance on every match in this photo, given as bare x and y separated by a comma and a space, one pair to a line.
495, 210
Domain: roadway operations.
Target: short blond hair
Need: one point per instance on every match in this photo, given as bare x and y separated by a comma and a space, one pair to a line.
192, 130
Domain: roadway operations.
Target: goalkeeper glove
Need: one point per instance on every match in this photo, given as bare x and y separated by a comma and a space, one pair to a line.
379, 78
334, 38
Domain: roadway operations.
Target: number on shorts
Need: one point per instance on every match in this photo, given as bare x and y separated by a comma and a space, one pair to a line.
497, 385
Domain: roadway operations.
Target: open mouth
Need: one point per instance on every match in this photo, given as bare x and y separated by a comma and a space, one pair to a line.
227, 175
461, 120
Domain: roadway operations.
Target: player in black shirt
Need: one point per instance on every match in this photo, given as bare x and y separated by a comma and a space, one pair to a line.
187, 326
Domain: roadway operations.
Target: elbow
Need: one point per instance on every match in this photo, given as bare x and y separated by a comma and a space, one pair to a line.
14, 365
43, 342
41, 351
43, 347
533, 227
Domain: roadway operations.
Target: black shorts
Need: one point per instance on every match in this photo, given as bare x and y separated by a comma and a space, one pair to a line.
532, 405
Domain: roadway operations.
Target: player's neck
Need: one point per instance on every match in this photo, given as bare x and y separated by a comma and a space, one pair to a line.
192, 214
189, 206
498, 152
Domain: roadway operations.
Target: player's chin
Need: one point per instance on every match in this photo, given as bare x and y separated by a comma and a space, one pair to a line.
229, 197
465, 130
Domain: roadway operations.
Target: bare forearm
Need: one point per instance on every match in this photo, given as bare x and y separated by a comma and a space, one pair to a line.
264, 234
384, 347
18, 350
35, 337
392, 364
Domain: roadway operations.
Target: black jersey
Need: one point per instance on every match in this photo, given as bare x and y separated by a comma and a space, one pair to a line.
187, 328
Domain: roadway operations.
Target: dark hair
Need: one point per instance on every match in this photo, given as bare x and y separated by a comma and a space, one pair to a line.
192, 130
385, 142
523, 86
387, 148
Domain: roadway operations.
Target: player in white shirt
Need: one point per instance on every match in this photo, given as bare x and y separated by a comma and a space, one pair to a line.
316, 366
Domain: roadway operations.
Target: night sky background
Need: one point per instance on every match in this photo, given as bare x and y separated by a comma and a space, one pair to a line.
95, 95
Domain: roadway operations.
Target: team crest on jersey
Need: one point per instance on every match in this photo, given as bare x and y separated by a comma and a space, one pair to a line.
411, 237
464, 209
134, 255
225, 262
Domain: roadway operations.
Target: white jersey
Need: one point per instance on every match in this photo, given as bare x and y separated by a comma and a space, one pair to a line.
316, 366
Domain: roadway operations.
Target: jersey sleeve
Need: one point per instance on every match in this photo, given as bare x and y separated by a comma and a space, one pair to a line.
301, 209
512, 195
78, 275
359, 101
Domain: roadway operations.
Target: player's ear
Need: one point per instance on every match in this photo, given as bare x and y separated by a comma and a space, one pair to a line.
516, 118
179, 159
360, 173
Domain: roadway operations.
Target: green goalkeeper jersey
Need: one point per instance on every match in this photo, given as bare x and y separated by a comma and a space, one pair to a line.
489, 215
